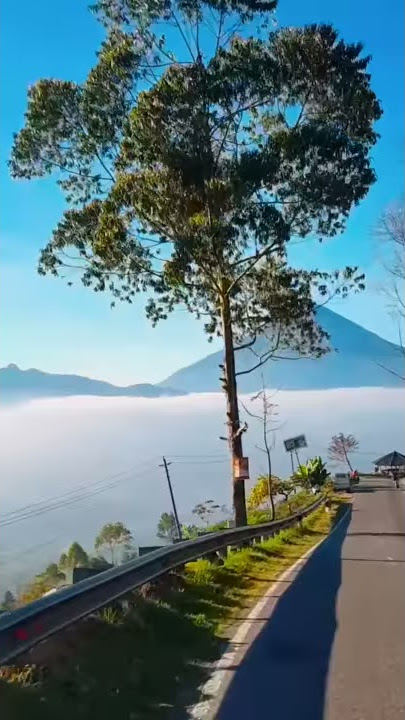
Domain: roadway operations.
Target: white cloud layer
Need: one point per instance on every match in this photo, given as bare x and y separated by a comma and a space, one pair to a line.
60, 450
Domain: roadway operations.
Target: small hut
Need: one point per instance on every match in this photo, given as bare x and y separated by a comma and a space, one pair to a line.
386, 463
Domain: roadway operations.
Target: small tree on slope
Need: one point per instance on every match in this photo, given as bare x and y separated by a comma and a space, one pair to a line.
114, 537
266, 419
340, 448
167, 529
187, 176
76, 556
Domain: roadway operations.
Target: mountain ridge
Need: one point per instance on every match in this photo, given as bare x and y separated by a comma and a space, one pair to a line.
32, 383
352, 362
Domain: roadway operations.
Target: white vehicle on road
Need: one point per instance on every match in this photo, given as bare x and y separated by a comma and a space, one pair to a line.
342, 481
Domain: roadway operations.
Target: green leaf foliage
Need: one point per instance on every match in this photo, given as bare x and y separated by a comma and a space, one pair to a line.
98, 563
260, 492
314, 474
114, 538
9, 602
53, 575
194, 187
189, 532
167, 529
76, 556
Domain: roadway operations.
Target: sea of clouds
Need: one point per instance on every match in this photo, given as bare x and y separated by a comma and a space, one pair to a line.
94, 460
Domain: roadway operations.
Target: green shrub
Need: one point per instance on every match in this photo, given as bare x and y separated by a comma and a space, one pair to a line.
239, 561
200, 572
313, 474
256, 517
111, 616
222, 525
259, 494
200, 620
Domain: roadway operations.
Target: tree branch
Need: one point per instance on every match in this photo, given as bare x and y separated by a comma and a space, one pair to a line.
256, 259
220, 26
183, 35
248, 344
392, 372
262, 358
73, 172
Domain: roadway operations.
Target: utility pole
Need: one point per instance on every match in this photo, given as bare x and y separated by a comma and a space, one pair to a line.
176, 517
292, 462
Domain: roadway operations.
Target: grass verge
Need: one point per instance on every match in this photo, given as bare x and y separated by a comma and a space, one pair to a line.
135, 665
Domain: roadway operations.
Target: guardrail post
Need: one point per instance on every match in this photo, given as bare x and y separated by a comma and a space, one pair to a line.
217, 556
222, 553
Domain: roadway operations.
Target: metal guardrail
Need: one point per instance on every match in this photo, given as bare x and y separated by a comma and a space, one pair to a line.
22, 629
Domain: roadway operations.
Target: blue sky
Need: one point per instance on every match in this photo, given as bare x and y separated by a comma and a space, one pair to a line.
47, 325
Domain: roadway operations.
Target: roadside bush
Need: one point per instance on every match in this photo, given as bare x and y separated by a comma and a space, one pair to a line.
313, 474
283, 509
257, 517
200, 572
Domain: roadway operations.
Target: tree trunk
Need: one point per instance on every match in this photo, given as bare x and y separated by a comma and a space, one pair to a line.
232, 413
269, 468
348, 461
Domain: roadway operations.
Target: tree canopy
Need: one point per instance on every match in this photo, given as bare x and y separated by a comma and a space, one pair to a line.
167, 528
205, 510
98, 562
114, 537
187, 176
9, 602
260, 492
76, 556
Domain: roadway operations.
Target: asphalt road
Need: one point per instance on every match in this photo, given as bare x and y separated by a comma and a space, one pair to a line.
332, 645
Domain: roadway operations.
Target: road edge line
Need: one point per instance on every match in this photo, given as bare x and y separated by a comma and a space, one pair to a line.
207, 709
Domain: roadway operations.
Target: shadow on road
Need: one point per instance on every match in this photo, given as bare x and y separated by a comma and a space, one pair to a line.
365, 489
284, 674
373, 560
375, 487
375, 534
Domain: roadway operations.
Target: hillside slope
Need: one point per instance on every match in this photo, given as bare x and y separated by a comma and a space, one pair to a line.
16, 384
352, 363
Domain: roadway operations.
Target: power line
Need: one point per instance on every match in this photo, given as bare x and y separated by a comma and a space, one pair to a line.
68, 494
78, 488
96, 487
67, 499
83, 492
206, 455
56, 506
201, 462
